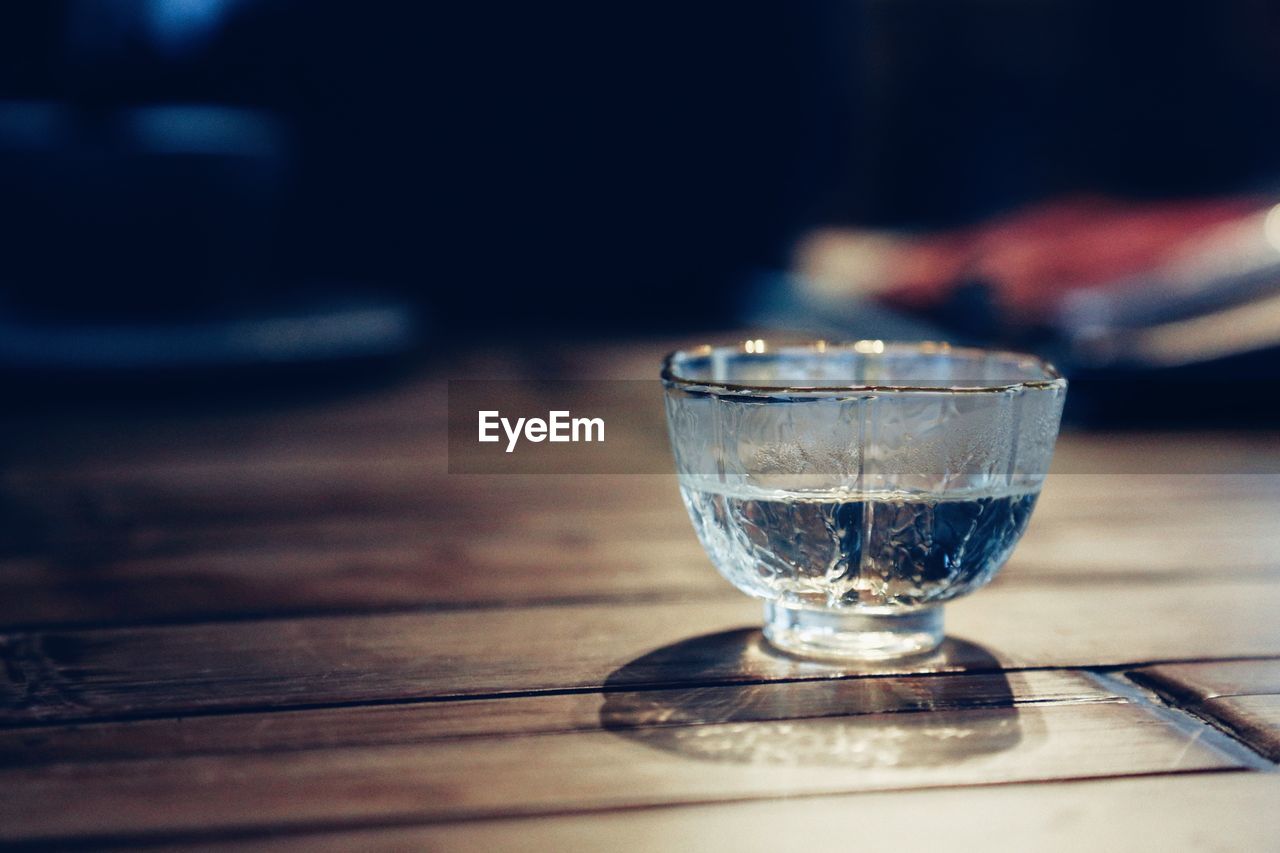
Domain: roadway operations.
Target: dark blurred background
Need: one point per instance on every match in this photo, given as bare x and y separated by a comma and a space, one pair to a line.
206, 182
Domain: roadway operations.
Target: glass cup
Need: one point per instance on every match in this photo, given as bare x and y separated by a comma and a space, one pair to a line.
857, 487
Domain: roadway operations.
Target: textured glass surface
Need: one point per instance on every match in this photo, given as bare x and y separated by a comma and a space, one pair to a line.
868, 478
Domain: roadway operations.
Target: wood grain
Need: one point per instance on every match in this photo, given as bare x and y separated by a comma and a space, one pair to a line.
448, 570
378, 725
287, 624
551, 773
1242, 697
108, 564
1253, 719
1195, 682
75, 675
451, 570
1225, 811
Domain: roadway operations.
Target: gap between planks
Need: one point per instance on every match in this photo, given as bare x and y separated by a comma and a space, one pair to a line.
72, 675
600, 770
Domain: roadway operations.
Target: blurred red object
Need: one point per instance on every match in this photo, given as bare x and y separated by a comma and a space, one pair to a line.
1033, 258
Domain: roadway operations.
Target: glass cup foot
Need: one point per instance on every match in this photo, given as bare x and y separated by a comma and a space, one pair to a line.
852, 636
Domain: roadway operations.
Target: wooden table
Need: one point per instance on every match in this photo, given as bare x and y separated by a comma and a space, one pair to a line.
288, 626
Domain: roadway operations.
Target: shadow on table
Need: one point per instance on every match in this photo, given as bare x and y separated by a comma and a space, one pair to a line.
732, 706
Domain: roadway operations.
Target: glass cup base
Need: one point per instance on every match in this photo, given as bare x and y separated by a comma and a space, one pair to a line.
852, 636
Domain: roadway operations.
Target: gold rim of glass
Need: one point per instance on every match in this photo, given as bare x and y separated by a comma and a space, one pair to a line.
762, 347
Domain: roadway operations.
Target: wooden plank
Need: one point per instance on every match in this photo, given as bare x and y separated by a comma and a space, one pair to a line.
375, 725
1187, 542
1243, 697
652, 511
105, 565
62, 538
1253, 719
82, 674
597, 506
316, 578
272, 474
332, 486
1137, 515
1158, 454
1229, 811
309, 576
1195, 682
550, 773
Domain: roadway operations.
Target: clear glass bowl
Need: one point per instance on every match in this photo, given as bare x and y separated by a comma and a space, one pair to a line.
857, 487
